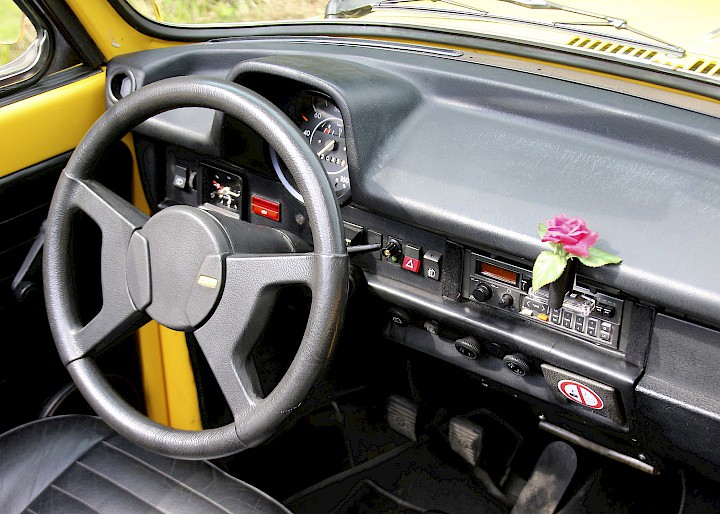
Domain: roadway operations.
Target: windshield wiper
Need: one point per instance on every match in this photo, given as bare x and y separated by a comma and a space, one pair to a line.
359, 8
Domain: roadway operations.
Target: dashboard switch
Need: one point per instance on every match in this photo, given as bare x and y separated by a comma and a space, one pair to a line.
468, 347
399, 316
393, 250
517, 363
353, 233
431, 262
411, 261
411, 264
432, 326
180, 180
265, 208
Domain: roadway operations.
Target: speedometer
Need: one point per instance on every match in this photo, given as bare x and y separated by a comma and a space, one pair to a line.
320, 121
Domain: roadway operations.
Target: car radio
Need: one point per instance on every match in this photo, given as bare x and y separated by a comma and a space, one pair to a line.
586, 312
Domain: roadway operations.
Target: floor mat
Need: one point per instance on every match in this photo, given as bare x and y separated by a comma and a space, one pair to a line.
367, 496
428, 477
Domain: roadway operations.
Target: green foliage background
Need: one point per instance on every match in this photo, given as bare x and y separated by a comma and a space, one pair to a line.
15, 33
228, 11
171, 11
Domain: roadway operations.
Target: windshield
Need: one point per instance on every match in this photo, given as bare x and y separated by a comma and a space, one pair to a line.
669, 34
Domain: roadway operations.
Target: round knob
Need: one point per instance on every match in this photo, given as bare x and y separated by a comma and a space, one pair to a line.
517, 363
468, 347
392, 249
506, 300
482, 292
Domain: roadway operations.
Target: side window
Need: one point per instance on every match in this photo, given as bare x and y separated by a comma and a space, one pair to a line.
23, 45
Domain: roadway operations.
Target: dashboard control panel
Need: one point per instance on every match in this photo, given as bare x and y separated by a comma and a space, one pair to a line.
587, 312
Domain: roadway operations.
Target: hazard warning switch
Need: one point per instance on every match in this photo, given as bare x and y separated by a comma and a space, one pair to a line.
413, 254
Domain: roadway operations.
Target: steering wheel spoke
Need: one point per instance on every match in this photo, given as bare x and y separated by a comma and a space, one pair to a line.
228, 337
116, 217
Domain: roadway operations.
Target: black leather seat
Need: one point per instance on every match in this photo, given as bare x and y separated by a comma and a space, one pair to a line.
77, 464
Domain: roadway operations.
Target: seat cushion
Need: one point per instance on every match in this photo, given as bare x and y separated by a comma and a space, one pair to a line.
78, 464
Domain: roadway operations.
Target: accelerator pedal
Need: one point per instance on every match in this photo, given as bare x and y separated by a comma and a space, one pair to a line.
402, 416
548, 481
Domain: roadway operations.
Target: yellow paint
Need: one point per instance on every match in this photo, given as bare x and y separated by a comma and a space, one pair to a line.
48, 124
180, 388
168, 379
110, 32
137, 193
153, 374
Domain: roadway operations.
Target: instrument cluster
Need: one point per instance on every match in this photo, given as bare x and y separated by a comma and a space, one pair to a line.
321, 122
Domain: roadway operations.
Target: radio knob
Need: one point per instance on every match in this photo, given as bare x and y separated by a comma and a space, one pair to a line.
506, 300
482, 293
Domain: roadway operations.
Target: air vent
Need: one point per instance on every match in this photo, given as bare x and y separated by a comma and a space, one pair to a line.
120, 84
706, 67
612, 48
699, 65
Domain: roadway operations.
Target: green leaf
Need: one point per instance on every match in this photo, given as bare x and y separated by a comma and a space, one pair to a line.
597, 258
542, 229
548, 268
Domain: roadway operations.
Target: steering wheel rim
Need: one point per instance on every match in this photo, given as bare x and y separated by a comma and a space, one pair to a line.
127, 293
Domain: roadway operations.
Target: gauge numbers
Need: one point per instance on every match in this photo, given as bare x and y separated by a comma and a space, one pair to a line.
321, 123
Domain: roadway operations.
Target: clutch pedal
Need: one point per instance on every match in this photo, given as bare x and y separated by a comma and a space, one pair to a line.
402, 416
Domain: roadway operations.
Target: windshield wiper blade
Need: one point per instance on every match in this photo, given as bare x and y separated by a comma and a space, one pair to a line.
359, 8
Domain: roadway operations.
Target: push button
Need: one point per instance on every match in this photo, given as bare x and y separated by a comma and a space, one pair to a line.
431, 262
411, 264
579, 323
411, 261
265, 208
180, 177
567, 321
555, 316
592, 327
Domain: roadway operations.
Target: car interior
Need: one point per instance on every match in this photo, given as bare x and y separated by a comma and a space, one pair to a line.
339, 227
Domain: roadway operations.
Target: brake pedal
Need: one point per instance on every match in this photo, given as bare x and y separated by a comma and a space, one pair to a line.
466, 439
402, 416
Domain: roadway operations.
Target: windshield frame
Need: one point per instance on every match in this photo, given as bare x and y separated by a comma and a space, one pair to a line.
606, 64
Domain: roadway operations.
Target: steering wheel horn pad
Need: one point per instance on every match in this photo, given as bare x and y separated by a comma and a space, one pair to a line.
187, 270
183, 251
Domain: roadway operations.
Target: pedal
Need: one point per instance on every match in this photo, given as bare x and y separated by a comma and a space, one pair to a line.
466, 439
402, 416
548, 481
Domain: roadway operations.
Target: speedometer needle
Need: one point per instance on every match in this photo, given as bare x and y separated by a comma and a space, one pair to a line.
327, 147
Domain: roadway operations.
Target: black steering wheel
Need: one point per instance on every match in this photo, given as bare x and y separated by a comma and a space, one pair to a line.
192, 270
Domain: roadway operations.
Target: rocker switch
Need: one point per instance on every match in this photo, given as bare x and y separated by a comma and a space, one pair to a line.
411, 261
180, 180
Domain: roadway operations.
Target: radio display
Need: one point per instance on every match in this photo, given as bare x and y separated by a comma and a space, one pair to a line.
503, 275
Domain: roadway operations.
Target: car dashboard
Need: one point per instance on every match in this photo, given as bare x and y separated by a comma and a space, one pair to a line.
447, 160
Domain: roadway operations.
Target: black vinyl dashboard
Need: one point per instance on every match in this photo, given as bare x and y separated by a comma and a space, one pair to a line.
450, 163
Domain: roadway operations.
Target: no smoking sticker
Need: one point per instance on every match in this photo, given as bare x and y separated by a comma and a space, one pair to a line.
581, 394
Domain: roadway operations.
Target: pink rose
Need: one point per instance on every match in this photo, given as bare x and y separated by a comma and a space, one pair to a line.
572, 233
